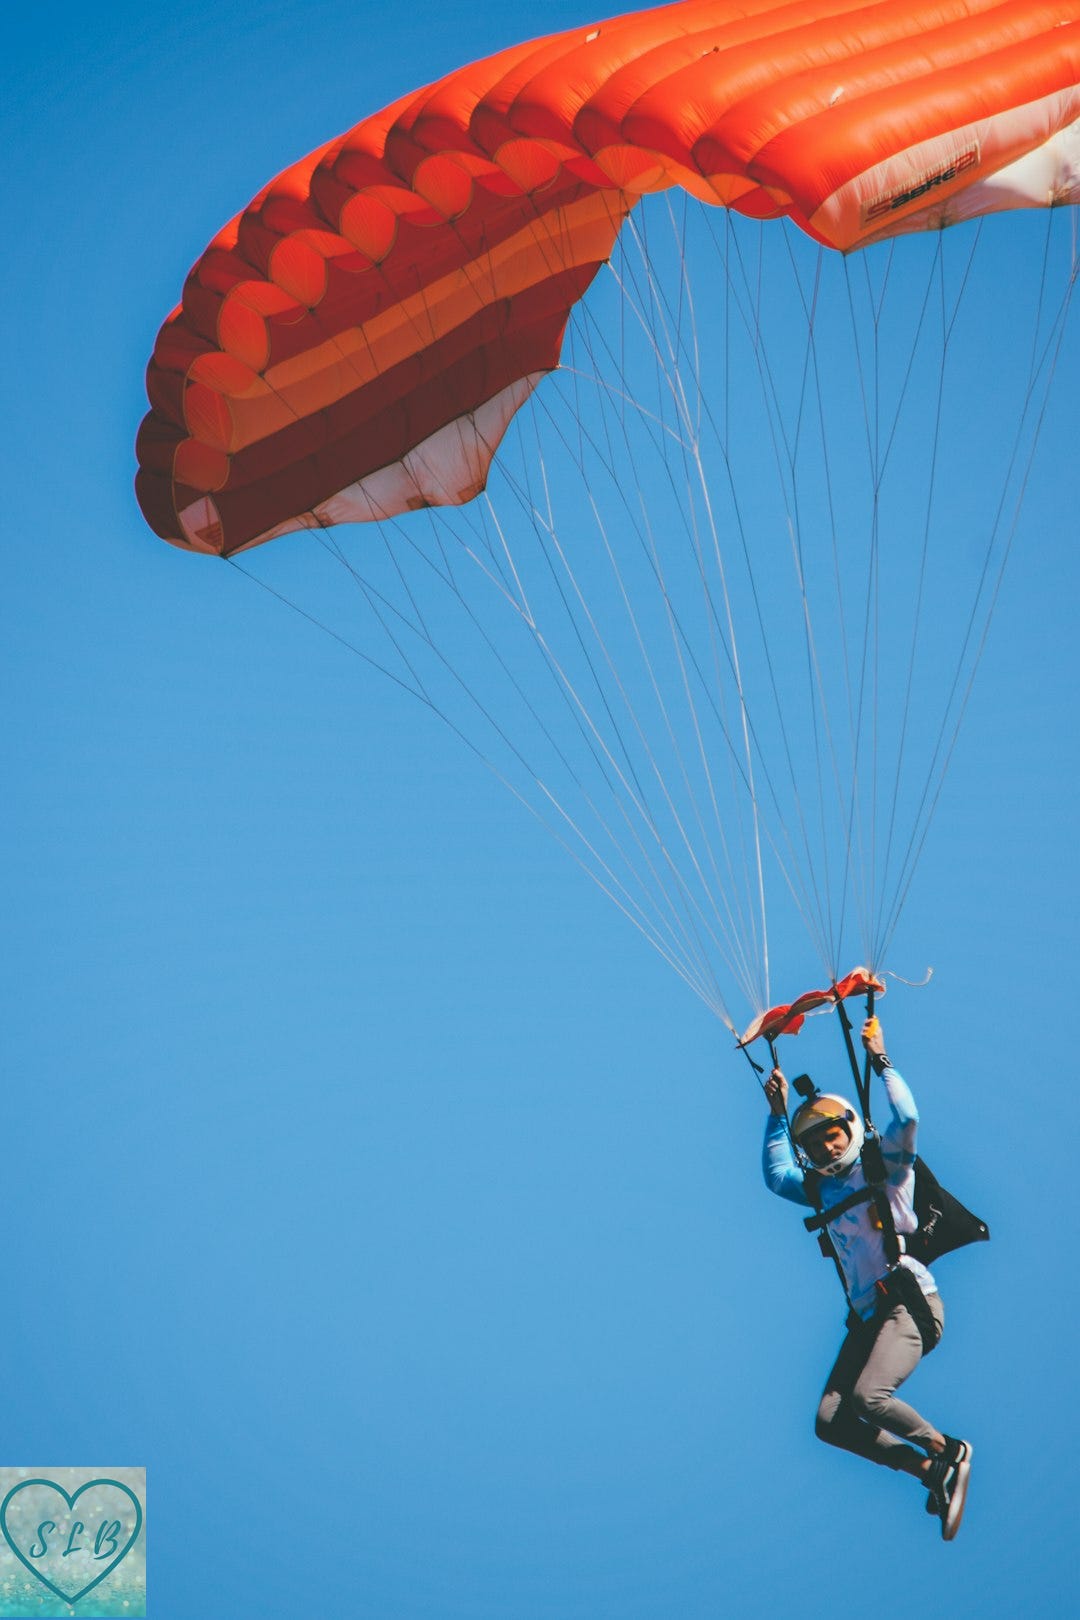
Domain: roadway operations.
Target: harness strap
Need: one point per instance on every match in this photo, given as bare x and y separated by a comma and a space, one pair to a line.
873, 1163
873, 1193
862, 1088
815, 1223
820, 1223
900, 1287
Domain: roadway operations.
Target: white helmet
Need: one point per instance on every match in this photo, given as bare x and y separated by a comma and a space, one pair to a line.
817, 1115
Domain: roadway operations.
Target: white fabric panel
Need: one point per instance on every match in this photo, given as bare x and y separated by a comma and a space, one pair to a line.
201, 524
1048, 173
448, 469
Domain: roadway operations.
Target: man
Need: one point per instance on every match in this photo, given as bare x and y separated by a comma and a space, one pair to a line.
896, 1310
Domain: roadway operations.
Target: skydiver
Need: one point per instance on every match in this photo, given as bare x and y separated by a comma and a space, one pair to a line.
896, 1311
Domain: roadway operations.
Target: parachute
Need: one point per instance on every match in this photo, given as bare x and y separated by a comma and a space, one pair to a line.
712, 603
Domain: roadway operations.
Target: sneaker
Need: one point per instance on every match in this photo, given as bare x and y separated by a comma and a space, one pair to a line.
947, 1483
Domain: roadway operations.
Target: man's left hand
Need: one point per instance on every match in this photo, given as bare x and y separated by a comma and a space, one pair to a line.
873, 1037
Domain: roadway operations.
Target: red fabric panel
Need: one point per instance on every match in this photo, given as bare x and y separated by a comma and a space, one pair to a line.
154, 493
247, 511
789, 1018
355, 289
292, 471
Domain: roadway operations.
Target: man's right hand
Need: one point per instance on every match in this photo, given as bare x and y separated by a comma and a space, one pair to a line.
776, 1092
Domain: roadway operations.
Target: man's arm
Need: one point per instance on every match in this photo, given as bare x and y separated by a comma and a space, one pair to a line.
899, 1137
782, 1174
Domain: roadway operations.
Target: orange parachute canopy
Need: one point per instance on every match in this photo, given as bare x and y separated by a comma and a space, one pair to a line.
355, 343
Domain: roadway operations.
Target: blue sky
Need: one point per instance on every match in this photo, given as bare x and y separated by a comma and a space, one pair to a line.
368, 1180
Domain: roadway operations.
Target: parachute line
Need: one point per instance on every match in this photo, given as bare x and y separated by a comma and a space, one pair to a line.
748, 722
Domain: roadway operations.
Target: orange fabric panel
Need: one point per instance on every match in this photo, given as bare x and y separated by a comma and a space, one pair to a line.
732, 106
819, 153
439, 119
546, 104
477, 105
916, 68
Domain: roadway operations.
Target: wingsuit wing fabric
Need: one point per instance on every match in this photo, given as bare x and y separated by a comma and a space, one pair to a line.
355, 343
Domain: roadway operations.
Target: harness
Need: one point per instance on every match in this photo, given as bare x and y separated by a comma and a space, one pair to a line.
899, 1286
944, 1223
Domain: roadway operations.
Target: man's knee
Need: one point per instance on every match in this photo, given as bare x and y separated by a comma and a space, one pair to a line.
869, 1405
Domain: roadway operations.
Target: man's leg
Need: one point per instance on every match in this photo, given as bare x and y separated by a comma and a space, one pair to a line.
858, 1410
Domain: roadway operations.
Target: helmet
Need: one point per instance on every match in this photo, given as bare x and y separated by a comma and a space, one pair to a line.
820, 1112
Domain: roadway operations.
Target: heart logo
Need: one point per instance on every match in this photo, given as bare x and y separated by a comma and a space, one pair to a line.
61, 1547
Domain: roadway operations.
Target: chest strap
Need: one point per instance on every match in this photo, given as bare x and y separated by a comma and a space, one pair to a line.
874, 1192
817, 1223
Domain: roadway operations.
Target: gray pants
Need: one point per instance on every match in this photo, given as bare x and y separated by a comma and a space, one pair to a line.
859, 1410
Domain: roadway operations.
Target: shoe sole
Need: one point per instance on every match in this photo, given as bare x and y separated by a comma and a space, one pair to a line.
954, 1513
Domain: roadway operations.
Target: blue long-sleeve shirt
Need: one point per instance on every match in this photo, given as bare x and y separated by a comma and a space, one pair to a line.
856, 1236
